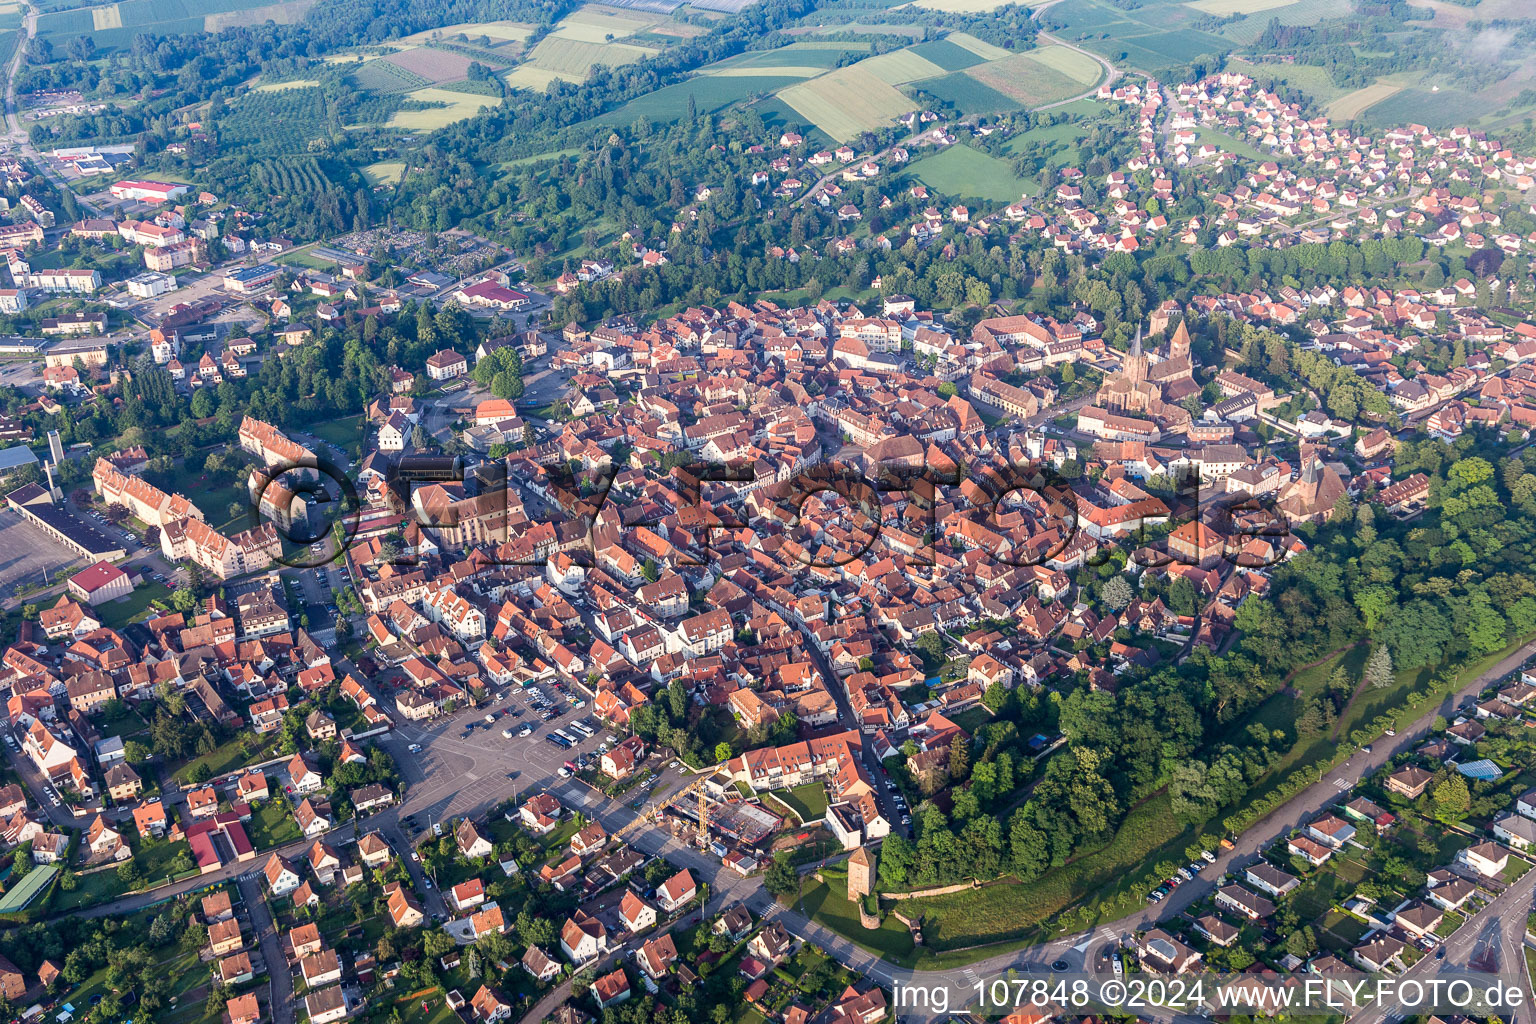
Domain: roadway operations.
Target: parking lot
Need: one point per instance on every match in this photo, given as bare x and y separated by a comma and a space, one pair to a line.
29, 554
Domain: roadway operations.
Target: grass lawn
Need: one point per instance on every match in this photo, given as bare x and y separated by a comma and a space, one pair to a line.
134, 607
967, 173
214, 501
827, 904
437, 1011
1346, 930
272, 824
562, 834
151, 860
960, 928
344, 432
1449, 924
808, 801
229, 755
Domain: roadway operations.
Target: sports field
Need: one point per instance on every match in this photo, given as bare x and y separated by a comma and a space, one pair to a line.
459, 106
847, 101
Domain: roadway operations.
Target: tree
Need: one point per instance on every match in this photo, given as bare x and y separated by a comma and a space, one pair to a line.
1117, 593
184, 600
1452, 802
1378, 668
959, 759
722, 752
780, 879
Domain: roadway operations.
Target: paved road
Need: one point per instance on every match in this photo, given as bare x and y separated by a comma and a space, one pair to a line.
1500, 930
280, 1002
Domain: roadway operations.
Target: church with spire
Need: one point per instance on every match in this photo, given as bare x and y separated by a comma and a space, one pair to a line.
1153, 390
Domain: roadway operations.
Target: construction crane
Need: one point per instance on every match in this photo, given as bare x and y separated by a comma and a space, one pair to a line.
694, 788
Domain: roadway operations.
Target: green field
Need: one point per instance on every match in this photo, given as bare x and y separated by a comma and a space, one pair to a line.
815, 54
575, 58
827, 904
453, 106
958, 927
847, 101
947, 55
900, 67
969, 174
967, 95
114, 26
1442, 109
1038, 77
808, 801
1150, 38
709, 94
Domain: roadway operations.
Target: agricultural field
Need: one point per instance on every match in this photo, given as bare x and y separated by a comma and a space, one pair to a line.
947, 55
813, 53
113, 26
970, 174
847, 101
456, 106
385, 172
1352, 105
275, 122
383, 76
900, 67
1307, 78
710, 94
959, 6
967, 95
430, 64
526, 76
1437, 108
292, 83
1296, 12
573, 58
1227, 8
595, 23
497, 31
986, 51
290, 12
1031, 79
1150, 38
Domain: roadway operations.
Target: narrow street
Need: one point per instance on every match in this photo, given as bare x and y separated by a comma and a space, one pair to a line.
280, 979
